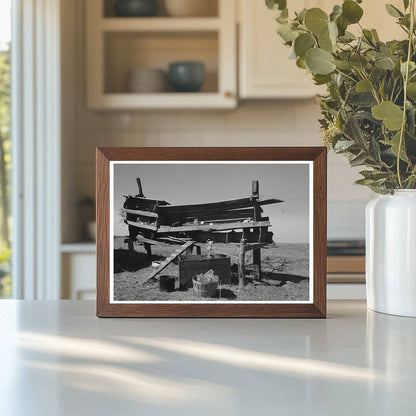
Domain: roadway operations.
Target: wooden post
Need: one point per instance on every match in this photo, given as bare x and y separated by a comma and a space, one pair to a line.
148, 249
130, 244
139, 184
257, 217
241, 263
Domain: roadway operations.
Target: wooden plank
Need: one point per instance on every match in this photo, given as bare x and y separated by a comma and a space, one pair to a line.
214, 227
142, 226
223, 205
140, 213
141, 239
257, 217
169, 259
221, 214
143, 199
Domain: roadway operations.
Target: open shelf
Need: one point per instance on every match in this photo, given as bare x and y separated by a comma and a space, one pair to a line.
211, 9
160, 24
127, 51
116, 46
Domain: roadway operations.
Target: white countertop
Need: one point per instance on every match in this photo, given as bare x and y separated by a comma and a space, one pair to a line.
58, 359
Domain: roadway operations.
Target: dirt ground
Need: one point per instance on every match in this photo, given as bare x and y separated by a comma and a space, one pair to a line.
285, 274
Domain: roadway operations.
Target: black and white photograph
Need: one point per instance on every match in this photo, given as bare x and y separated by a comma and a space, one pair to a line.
211, 232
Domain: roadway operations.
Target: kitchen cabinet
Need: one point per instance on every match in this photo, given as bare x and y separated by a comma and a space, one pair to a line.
78, 263
116, 46
265, 70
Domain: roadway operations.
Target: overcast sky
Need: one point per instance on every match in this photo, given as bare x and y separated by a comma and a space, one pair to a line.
196, 183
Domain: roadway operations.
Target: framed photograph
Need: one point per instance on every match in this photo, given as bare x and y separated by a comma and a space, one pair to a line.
211, 232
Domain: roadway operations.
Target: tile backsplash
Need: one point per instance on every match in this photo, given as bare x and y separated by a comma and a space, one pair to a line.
285, 123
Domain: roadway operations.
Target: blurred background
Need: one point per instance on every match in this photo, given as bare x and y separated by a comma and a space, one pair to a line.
100, 73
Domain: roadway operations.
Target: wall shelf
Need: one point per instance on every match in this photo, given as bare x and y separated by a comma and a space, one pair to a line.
159, 24
116, 46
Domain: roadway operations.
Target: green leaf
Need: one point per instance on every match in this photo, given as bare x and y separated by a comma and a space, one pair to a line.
391, 114
303, 43
325, 42
342, 25
301, 63
358, 160
406, 4
394, 145
385, 63
375, 35
348, 37
363, 86
321, 79
368, 36
300, 17
343, 65
336, 12
276, 4
393, 11
358, 61
374, 150
319, 61
364, 181
343, 145
351, 11
316, 20
412, 67
411, 90
286, 32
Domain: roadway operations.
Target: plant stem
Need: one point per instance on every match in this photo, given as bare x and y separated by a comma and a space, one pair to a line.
406, 80
345, 75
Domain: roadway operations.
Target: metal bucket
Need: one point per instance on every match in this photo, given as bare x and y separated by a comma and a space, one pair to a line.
167, 283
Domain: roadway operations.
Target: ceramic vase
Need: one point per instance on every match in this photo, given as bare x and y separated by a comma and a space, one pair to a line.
391, 253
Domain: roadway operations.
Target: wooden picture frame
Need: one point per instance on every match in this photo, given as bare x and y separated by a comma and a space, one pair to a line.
316, 157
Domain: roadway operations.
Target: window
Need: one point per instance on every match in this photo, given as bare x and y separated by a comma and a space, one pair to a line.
5, 147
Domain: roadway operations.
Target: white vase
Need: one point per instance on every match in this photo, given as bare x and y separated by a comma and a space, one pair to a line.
391, 253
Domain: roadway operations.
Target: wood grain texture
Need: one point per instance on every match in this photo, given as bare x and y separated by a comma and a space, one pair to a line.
317, 309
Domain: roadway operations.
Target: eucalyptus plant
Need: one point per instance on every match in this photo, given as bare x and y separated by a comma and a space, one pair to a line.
369, 112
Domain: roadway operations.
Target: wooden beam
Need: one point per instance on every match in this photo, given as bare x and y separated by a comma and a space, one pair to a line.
214, 227
214, 206
143, 240
257, 217
145, 200
143, 226
169, 259
221, 214
140, 213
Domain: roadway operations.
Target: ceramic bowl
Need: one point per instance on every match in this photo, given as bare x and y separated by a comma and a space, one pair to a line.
136, 8
186, 76
147, 80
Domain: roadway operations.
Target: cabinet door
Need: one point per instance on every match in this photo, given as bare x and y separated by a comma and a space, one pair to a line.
265, 68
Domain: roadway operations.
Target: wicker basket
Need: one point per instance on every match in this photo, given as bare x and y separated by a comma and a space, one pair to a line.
204, 289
